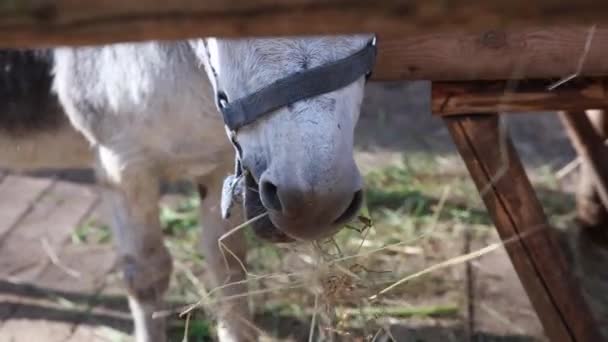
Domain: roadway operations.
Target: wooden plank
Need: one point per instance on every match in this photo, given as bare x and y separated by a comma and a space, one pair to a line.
92, 22
24, 330
521, 223
52, 220
87, 276
21, 253
17, 197
23, 258
83, 269
577, 95
494, 54
590, 210
589, 146
513, 53
97, 334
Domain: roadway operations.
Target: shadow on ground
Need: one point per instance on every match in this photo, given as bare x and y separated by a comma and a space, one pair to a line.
38, 303
298, 331
113, 312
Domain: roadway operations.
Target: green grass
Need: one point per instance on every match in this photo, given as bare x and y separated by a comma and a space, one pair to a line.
91, 232
402, 311
198, 329
402, 190
181, 220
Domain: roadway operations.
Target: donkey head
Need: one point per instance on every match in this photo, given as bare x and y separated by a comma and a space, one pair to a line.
299, 157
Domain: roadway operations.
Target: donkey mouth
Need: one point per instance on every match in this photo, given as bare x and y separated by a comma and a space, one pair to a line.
278, 228
263, 227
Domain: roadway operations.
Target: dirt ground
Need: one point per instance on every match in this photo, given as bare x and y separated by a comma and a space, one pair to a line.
52, 289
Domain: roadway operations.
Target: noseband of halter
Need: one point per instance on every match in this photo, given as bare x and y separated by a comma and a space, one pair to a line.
298, 86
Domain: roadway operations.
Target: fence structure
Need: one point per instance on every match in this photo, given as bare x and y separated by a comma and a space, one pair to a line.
484, 58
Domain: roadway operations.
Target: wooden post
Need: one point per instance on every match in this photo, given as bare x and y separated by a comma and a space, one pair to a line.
587, 133
589, 145
521, 223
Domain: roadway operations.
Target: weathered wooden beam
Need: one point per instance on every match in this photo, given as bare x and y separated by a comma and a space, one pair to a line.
590, 146
494, 54
521, 223
456, 98
591, 213
93, 21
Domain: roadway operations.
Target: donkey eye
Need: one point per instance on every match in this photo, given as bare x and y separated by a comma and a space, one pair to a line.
222, 99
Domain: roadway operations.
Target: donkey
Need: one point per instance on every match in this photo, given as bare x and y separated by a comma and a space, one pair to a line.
142, 112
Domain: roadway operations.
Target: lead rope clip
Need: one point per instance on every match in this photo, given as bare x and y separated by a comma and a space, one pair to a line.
232, 188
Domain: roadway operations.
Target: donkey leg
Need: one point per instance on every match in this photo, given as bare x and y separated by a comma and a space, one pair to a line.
132, 197
226, 266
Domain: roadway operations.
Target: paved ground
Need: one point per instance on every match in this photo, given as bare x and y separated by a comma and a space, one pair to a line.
50, 289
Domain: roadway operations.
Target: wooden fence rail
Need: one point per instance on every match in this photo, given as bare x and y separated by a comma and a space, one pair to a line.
419, 39
94, 21
496, 54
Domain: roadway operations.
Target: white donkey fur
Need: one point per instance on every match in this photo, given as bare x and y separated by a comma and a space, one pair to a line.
148, 112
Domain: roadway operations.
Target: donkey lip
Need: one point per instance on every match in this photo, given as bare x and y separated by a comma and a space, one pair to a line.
299, 230
276, 227
266, 230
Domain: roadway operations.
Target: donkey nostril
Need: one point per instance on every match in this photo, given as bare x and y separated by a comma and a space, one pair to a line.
352, 210
270, 196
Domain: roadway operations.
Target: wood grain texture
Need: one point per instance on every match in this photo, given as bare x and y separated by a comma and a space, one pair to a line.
591, 213
442, 48
97, 21
589, 145
494, 54
61, 208
521, 223
19, 196
455, 98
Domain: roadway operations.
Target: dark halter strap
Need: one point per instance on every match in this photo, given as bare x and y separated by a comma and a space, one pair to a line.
298, 86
